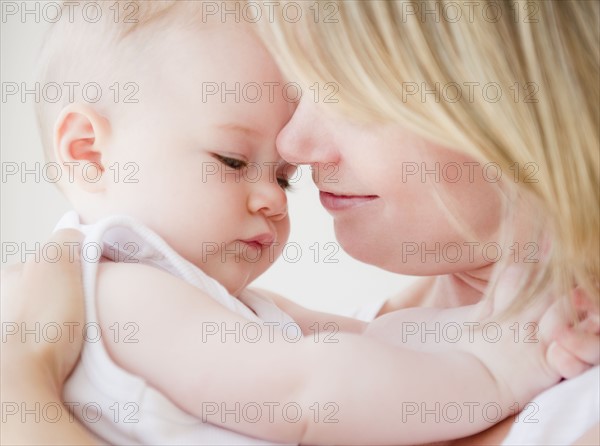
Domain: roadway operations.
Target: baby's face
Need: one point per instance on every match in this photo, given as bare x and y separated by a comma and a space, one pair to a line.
211, 182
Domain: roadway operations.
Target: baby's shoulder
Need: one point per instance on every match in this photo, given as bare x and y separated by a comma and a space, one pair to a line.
125, 289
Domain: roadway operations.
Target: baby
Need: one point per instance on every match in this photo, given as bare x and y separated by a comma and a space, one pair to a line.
178, 186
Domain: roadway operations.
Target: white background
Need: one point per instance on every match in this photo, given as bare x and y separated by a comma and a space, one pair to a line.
30, 209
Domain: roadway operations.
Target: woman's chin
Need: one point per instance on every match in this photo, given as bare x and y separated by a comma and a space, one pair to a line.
372, 247
361, 244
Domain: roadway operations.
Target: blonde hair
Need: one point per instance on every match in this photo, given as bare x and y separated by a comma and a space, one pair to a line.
102, 45
376, 50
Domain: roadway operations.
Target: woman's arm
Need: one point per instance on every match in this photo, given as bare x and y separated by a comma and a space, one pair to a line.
33, 370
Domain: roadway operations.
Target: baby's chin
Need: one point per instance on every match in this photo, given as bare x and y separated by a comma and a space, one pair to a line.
236, 279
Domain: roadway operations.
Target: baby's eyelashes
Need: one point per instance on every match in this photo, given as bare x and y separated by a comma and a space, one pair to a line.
284, 183
287, 171
231, 162
282, 176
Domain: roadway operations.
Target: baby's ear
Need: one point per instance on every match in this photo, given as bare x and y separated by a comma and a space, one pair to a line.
80, 136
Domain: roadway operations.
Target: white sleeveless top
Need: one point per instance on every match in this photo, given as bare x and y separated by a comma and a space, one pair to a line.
115, 404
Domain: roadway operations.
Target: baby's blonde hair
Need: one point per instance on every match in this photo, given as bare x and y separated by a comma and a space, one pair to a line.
100, 44
546, 51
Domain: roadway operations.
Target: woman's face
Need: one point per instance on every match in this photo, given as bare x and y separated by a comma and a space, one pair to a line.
398, 201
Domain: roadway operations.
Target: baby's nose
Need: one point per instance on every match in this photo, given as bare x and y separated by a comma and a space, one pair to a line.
268, 197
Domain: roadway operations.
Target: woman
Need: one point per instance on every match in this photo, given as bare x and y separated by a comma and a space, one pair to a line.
419, 99
404, 71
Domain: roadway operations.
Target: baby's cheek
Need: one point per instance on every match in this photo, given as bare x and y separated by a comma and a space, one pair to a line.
273, 253
283, 230
283, 234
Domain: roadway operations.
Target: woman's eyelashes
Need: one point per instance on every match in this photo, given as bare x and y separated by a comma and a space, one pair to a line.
237, 164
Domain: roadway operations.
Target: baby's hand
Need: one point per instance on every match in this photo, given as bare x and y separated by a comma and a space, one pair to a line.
577, 348
526, 351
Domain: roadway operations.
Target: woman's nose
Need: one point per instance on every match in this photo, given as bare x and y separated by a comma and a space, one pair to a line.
306, 139
268, 197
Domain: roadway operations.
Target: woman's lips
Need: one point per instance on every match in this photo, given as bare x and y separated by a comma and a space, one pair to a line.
334, 202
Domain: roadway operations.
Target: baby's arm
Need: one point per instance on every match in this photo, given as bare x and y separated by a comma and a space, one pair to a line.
355, 391
311, 321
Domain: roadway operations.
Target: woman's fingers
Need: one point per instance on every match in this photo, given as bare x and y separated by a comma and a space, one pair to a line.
43, 307
62, 251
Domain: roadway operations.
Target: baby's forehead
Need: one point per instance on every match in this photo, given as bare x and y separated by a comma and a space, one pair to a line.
174, 59
255, 142
219, 61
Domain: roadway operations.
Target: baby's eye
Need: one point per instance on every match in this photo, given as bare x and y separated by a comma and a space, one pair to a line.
284, 183
231, 162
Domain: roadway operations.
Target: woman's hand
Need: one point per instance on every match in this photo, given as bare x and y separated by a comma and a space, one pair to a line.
42, 321
37, 298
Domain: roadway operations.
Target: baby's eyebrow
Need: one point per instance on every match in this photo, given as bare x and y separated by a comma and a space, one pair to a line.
240, 128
